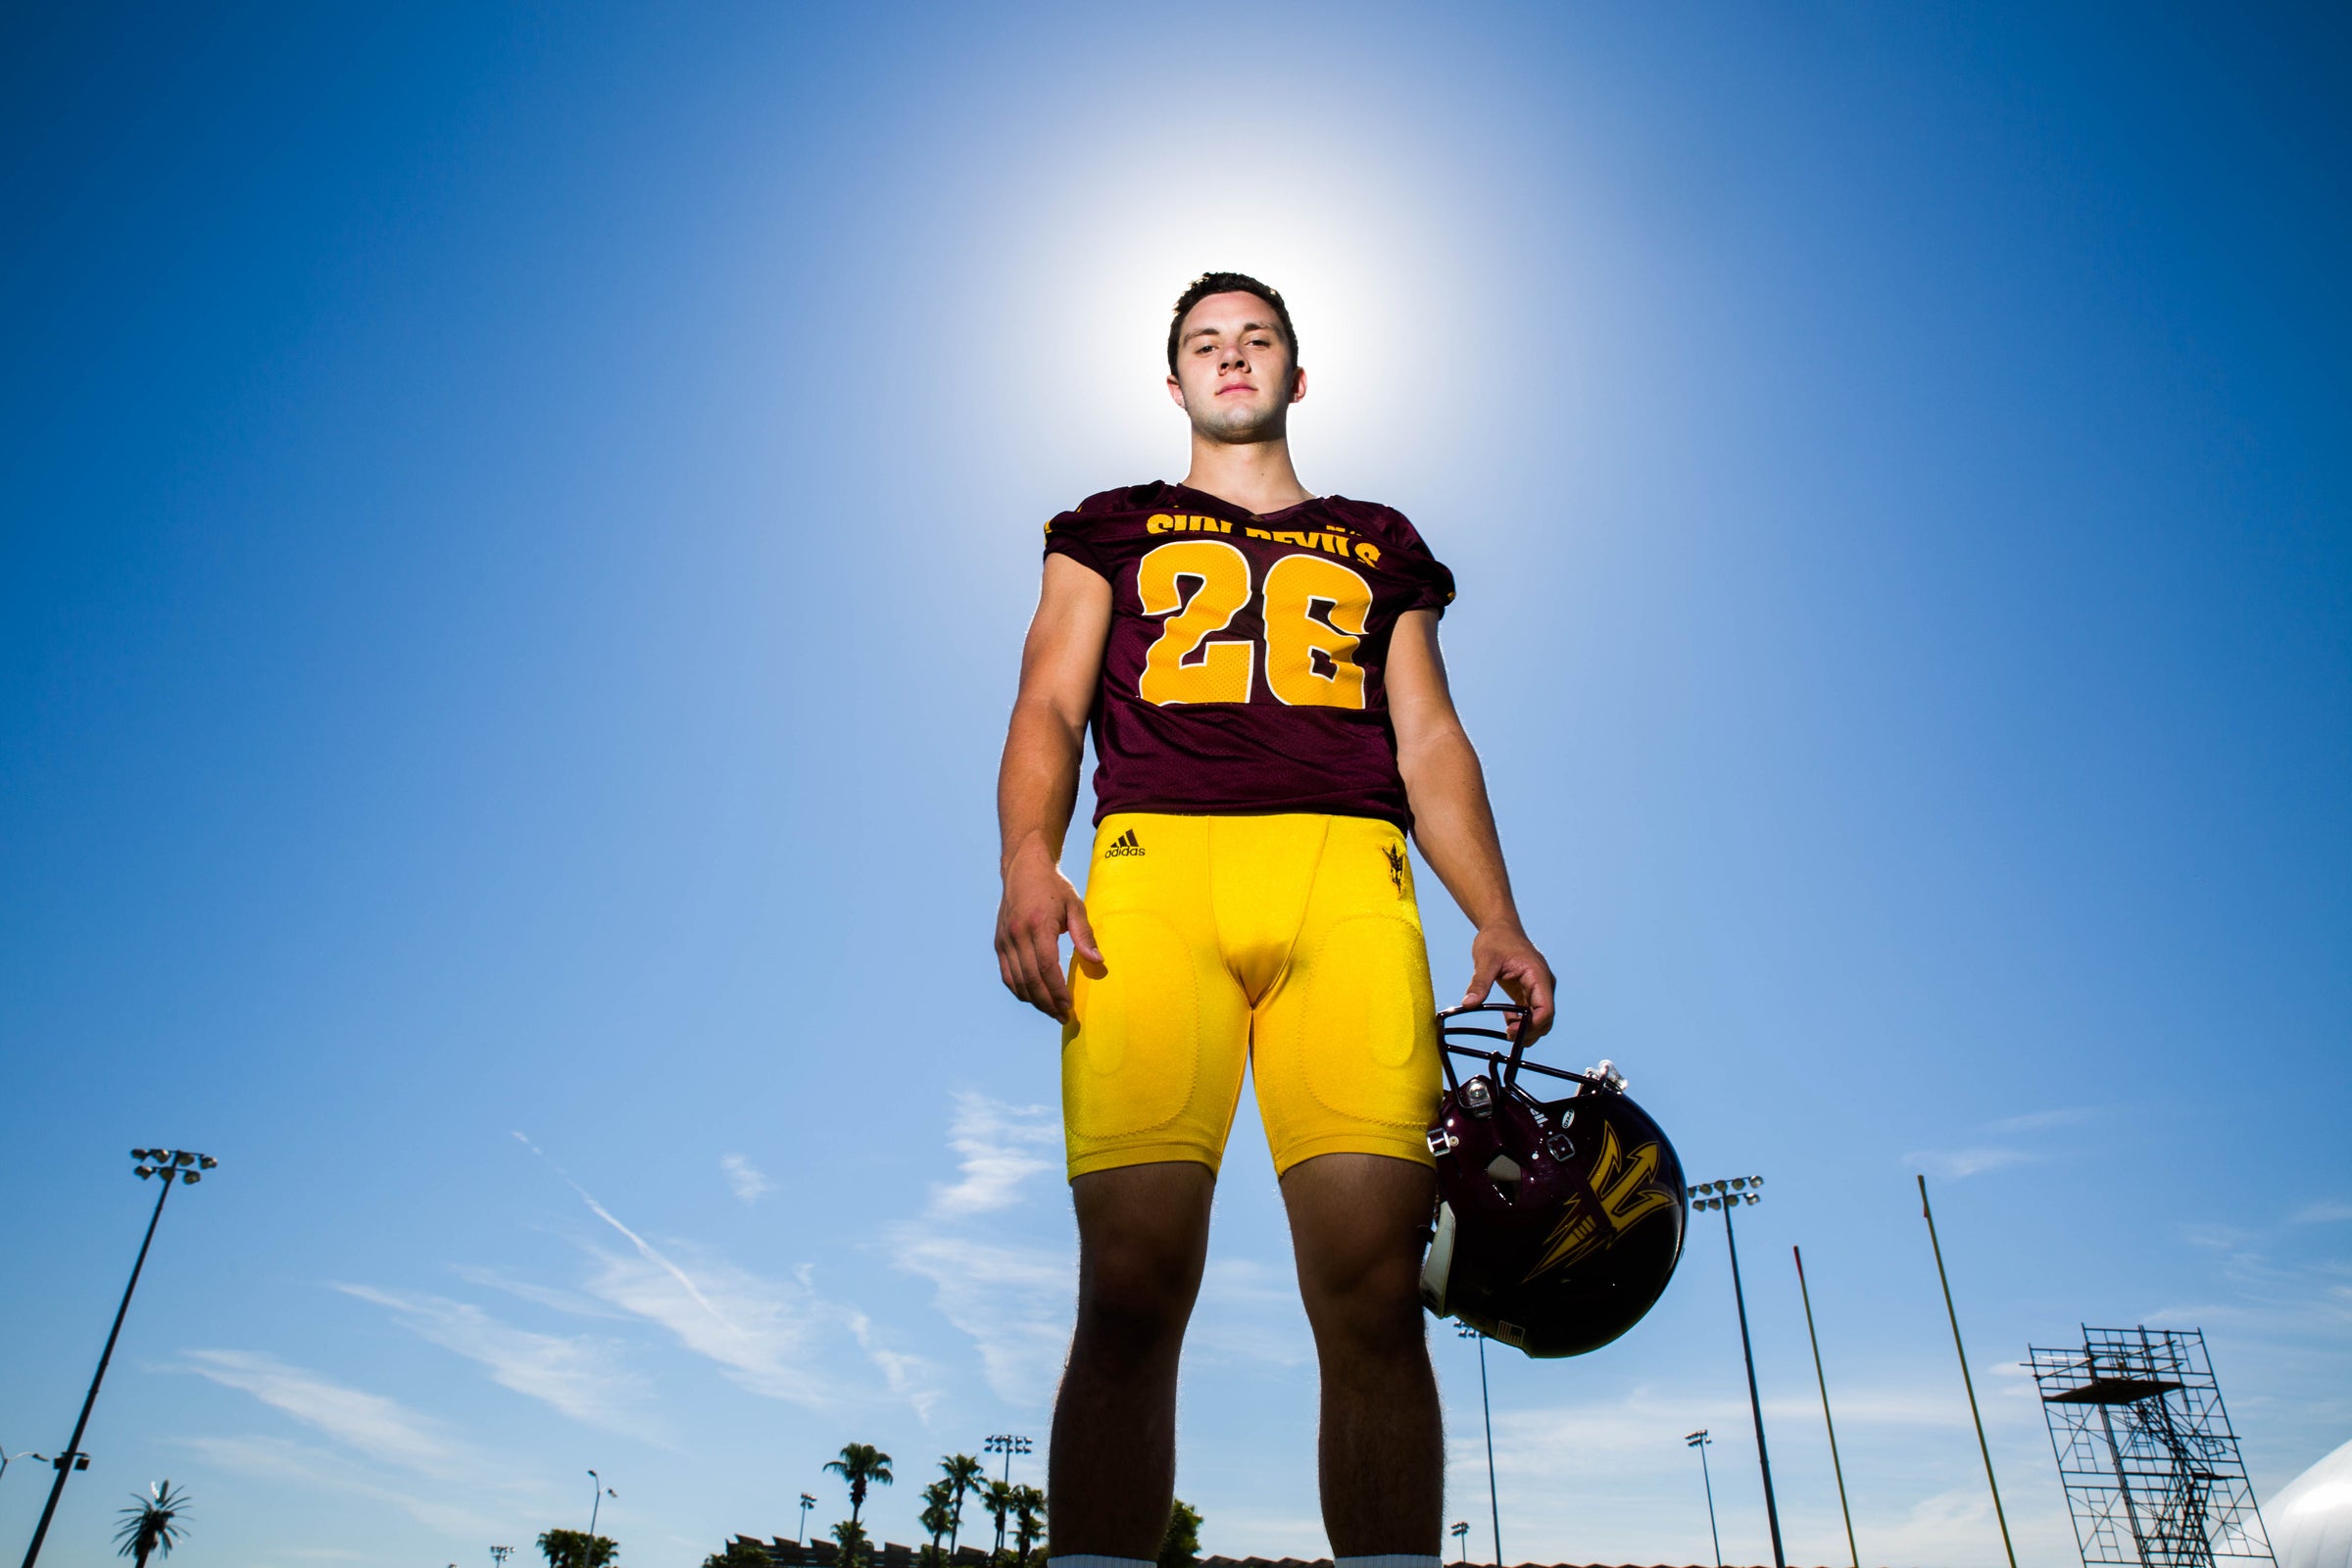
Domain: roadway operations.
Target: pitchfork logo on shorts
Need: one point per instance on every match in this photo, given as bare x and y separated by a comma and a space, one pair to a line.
1397, 868
1627, 1189
1124, 843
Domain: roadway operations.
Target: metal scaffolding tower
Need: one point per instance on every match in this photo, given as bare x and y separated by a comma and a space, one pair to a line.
2145, 1451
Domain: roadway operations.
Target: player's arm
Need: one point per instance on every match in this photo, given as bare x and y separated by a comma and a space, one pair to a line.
1037, 784
1455, 824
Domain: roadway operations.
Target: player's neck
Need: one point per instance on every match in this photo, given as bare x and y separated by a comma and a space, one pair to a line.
1255, 475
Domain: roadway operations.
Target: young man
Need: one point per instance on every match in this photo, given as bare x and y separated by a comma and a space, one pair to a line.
1261, 669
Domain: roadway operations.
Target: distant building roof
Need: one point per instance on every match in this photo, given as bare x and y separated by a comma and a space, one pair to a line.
2311, 1517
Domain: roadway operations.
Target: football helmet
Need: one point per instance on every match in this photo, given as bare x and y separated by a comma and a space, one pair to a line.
1558, 1221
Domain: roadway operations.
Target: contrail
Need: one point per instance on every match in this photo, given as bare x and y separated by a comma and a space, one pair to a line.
644, 1249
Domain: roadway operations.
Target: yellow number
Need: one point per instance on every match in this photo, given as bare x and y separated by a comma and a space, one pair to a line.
1307, 664
1220, 574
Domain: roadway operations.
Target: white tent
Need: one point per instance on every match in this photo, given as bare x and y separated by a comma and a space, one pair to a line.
2311, 1518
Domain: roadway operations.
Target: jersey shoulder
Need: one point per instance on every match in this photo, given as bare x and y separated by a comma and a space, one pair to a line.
1127, 501
1375, 522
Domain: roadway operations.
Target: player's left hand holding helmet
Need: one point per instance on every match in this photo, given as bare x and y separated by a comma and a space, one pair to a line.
1558, 1221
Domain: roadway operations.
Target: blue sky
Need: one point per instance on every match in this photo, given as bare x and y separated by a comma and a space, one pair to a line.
518, 526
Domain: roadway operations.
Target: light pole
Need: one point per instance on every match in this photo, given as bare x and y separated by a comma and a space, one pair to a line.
1006, 1444
500, 1555
806, 1502
1728, 1196
1822, 1377
1494, 1502
189, 1167
1699, 1440
1950, 1311
1461, 1537
598, 1491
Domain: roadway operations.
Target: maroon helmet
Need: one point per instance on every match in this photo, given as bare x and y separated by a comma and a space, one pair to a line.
1560, 1222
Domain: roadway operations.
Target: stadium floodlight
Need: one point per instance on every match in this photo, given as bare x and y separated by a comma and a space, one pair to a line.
1734, 1194
1464, 1331
1699, 1440
167, 1163
1006, 1444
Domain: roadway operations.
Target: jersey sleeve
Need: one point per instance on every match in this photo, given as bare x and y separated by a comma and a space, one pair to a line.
1432, 583
1071, 534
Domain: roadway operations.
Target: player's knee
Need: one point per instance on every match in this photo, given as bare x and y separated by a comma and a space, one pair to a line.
1134, 1299
1373, 1312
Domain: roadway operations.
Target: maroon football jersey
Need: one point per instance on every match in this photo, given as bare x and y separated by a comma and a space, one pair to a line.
1243, 669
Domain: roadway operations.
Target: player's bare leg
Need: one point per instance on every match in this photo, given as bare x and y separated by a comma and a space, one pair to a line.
1382, 1454
1143, 1233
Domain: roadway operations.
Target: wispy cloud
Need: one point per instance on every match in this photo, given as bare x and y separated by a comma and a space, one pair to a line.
1954, 1163
383, 1428
2035, 1121
781, 1339
2327, 1212
1996, 1150
1001, 1147
577, 1375
551, 1296
1011, 1297
746, 1179
289, 1465
1014, 1302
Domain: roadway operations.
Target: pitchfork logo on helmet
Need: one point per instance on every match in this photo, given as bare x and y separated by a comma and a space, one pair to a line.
1558, 1222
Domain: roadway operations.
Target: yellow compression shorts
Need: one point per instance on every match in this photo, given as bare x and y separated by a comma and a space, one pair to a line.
1292, 940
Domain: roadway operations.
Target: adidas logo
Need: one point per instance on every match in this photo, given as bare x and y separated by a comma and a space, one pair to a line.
1124, 843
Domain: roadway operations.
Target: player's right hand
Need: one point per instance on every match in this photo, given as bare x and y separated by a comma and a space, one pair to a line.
1038, 907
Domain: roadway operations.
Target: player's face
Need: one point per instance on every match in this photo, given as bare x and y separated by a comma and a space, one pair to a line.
1234, 378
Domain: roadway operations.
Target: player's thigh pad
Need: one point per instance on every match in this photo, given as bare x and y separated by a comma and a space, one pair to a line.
1152, 1055
1346, 1044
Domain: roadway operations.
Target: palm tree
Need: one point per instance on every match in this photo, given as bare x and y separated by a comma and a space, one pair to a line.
151, 1524
861, 1463
850, 1536
1029, 1519
997, 1499
966, 1474
937, 1514
576, 1548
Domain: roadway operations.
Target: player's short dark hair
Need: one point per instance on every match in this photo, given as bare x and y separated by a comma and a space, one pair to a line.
1208, 283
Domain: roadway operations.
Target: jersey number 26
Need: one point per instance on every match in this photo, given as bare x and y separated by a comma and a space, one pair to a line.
1307, 662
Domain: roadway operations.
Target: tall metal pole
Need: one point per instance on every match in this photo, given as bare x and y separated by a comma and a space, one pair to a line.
1965, 1381
1822, 1379
73, 1448
1699, 1440
1494, 1501
1755, 1401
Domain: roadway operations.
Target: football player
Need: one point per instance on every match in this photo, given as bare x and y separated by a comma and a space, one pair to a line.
1259, 667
